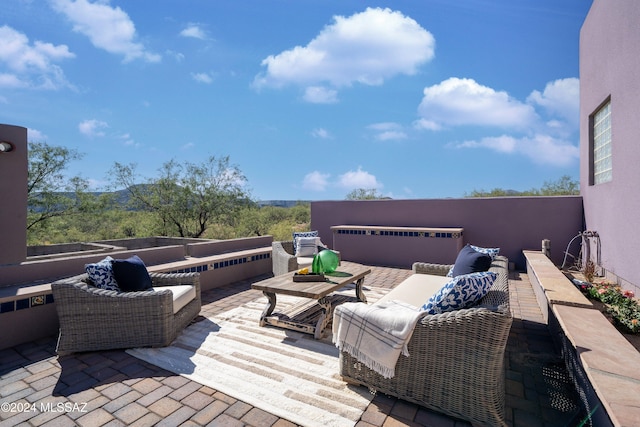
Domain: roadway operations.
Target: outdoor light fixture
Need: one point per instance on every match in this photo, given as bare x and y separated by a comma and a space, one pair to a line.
5, 147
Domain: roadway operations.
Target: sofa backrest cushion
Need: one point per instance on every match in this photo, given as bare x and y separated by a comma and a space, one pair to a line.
131, 274
471, 261
460, 292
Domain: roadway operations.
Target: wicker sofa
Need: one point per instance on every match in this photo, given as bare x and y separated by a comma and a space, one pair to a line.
456, 359
93, 319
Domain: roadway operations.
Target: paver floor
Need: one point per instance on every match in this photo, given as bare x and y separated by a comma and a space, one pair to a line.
112, 388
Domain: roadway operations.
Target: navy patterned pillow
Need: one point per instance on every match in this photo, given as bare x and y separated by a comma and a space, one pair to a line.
298, 234
463, 291
101, 274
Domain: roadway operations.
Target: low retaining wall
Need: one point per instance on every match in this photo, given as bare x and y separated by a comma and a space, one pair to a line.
603, 364
389, 245
512, 224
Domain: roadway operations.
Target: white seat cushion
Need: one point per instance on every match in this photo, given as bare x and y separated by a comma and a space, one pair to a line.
416, 289
182, 295
304, 261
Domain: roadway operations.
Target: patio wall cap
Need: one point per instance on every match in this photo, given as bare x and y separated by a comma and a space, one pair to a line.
556, 286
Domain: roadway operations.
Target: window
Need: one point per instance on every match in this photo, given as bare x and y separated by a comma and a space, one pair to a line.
601, 134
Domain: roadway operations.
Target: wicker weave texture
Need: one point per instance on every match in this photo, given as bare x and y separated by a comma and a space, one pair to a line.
282, 256
93, 319
456, 359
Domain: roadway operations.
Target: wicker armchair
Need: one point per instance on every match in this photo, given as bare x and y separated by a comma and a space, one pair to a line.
456, 362
283, 258
93, 319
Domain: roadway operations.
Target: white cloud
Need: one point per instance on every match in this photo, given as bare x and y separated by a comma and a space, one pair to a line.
320, 95
35, 135
126, 139
456, 102
426, 125
545, 149
542, 149
384, 126
92, 128
177, 56
367, 47
321, 133
202, 78
358, 179
12, 81
459, 102
194, 31
560, 97
388, 131
391, 135
316, 181
109, 28
30, 65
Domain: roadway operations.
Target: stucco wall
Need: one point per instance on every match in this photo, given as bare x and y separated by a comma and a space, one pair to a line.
609, 64
512, 223
13, 196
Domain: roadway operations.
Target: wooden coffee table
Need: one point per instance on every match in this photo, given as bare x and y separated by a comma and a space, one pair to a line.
311, 317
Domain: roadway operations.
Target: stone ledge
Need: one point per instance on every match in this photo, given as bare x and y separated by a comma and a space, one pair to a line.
555, 285
609, 361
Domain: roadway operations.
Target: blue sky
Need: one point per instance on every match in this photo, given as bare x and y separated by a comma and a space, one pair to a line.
309, 98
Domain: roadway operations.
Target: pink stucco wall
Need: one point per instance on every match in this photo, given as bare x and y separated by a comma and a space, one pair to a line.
13, 196
511, 223
609, 64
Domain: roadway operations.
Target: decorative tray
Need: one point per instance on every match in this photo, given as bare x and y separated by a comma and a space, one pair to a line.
308, 277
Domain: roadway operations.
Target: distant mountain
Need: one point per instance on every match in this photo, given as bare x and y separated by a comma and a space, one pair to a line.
282, 203
122, 198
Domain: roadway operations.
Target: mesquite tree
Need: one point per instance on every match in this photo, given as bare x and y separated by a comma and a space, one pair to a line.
186, 197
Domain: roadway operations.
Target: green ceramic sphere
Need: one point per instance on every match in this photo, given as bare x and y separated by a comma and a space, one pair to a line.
326, 261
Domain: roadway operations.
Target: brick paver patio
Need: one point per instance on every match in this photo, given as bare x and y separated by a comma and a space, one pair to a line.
112, 388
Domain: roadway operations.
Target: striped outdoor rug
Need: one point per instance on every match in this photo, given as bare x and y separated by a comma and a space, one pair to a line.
285, 373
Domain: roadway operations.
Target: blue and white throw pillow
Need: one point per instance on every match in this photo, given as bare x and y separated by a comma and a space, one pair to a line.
463, 291
298, 234
307, 246
101, 274
492, 252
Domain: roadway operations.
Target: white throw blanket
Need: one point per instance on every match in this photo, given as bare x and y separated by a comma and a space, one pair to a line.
375, 334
